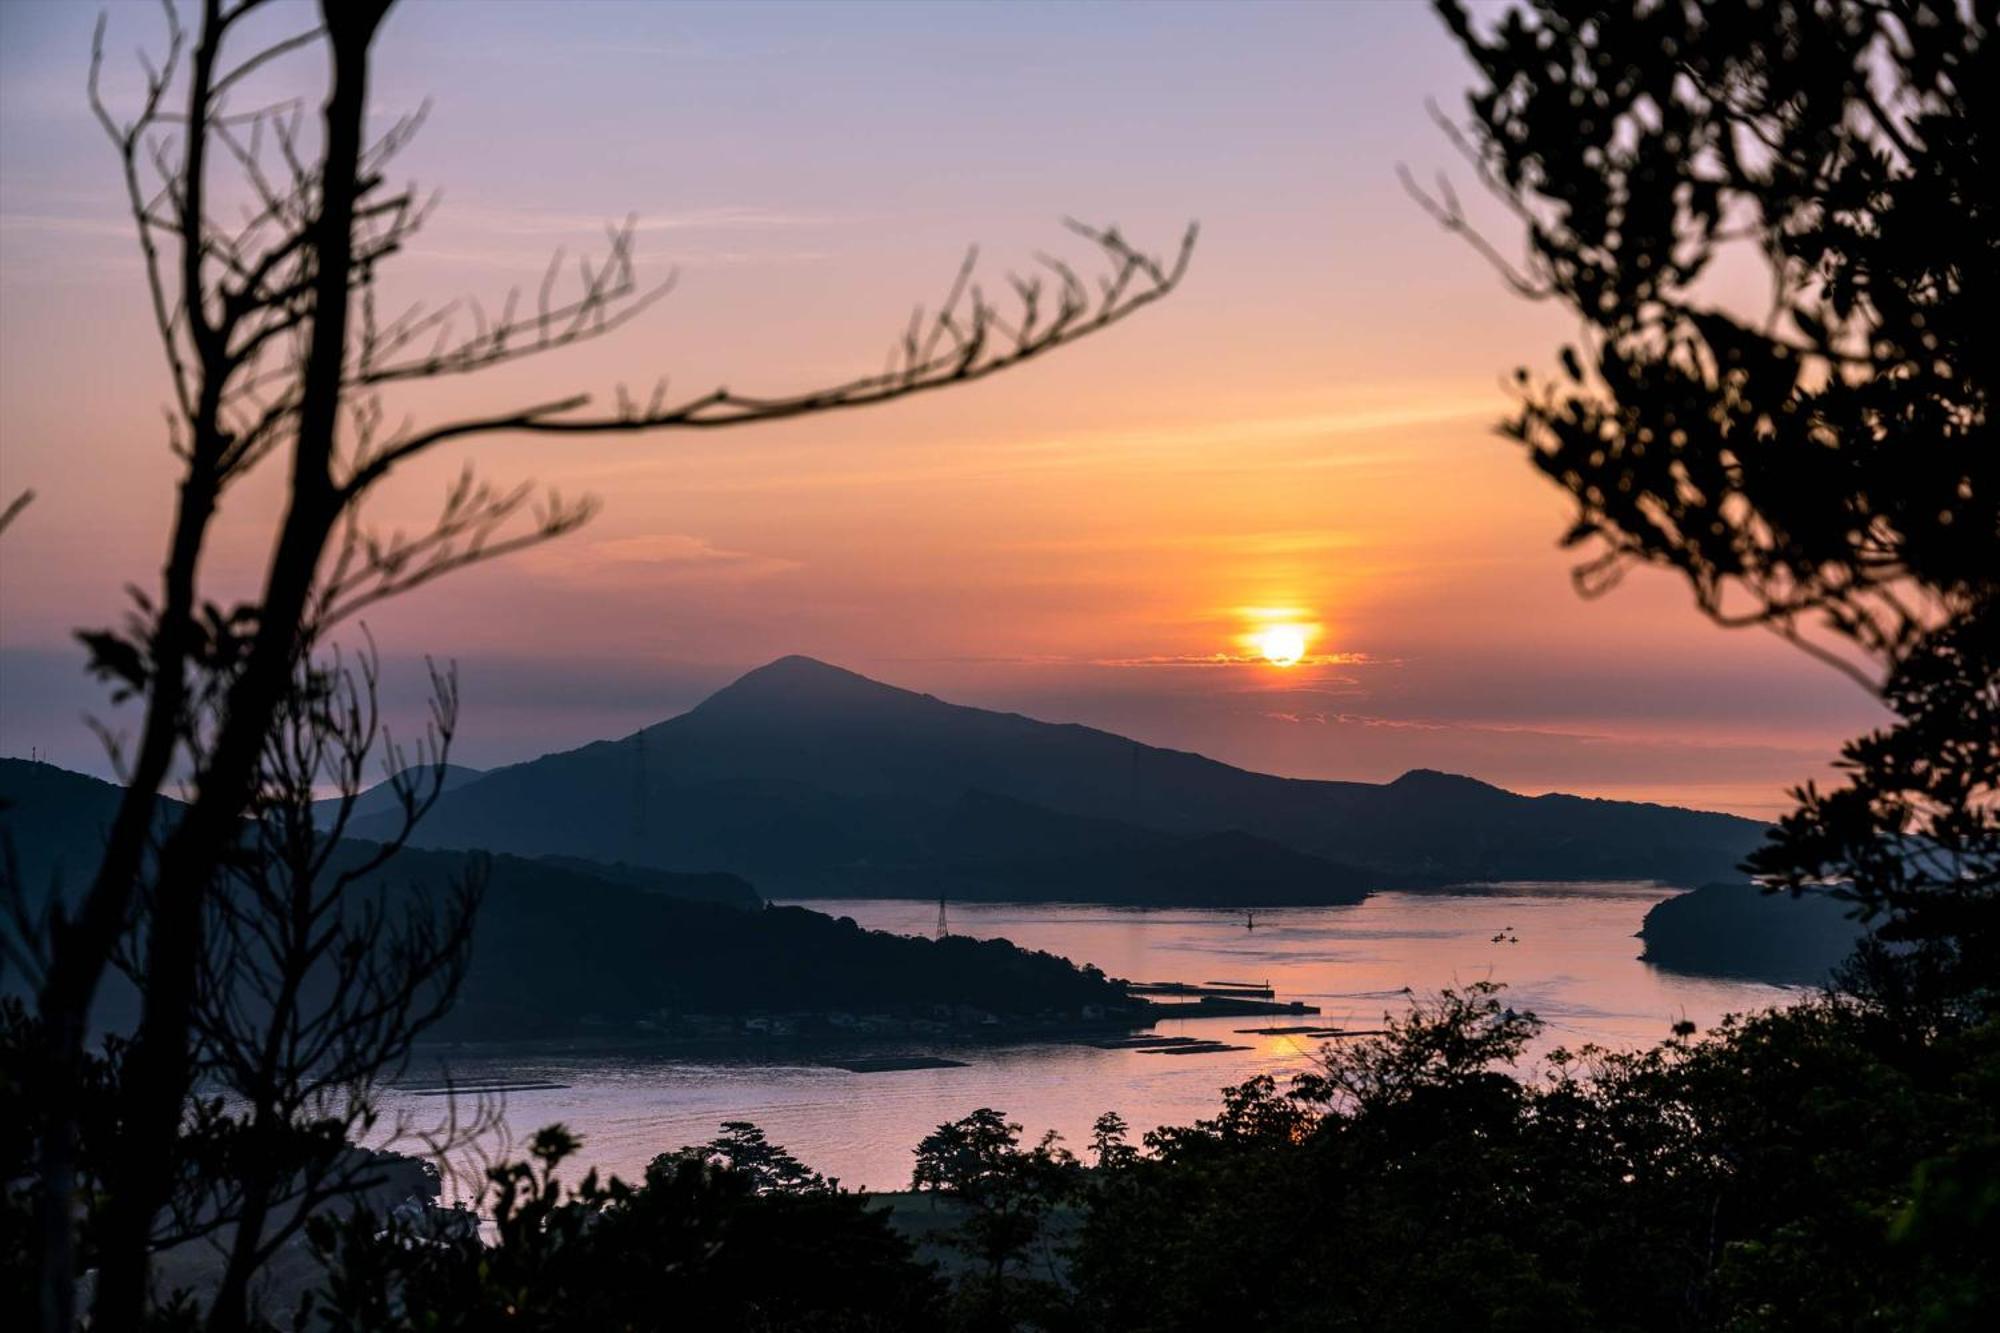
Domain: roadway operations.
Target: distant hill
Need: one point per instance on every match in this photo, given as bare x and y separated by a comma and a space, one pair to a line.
381, 798
562, 941
1734, 929
54, 822
812, 780
555, 948
993, 848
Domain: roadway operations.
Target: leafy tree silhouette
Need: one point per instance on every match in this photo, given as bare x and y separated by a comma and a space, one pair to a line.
1109, 1148
696, 1244
1817, 457
1007, 1193
743, 1148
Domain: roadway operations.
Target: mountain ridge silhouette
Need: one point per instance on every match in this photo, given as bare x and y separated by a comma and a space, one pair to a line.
562, 945
813, 780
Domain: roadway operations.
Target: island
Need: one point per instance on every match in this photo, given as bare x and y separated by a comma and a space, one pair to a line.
1736, 929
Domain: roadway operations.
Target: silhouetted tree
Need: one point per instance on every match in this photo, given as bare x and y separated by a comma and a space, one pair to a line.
320, 976
965, 1154
1759, 1176
743, 1148
1007, 1194
1109, 1149
1779, 226
696, 1244
276, 349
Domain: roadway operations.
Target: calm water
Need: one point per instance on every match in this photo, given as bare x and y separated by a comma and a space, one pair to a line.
1575, 964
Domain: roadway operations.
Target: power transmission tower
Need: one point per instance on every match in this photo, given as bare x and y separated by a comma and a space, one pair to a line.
943, 926
640, 794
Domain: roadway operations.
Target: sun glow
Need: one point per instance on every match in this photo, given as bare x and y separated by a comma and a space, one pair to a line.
1282, 645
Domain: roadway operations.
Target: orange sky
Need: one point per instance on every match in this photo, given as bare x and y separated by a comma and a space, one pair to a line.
1307, 425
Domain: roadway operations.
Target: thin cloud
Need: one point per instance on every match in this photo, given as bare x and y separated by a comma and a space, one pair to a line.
1364, 720
1235, 659
722, 217
1308, 541
532, 260
669, 556
1581, 739
1295, 442
1164, 659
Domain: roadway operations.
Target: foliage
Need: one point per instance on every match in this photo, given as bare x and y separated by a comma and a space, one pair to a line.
1008, 1194
1811, 450
1914, 835
1109, 1149
743, 1149
1813, 1166
22, 1051
1757, 1178
227, 1162
697, 1244
1816, 1166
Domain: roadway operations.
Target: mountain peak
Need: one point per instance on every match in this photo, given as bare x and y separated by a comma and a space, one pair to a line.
797, 666
1434, 780
797, 682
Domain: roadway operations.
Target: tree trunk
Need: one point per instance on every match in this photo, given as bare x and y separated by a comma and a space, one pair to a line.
158, 1069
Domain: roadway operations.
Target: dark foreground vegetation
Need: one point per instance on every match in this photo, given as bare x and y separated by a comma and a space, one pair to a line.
1821, 1166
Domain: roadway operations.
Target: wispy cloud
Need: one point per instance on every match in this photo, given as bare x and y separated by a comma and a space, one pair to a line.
667, 556
721, 217
1581, 739
1364, 720
1295, 542
716, 236
529, 261
1237, 659
1293, 444
1168, 659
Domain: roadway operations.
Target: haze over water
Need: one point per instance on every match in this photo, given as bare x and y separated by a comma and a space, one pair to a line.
1575, 965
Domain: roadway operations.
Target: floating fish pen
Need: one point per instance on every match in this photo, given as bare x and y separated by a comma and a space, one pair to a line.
1193, 1048
1222, 989
1228, 1006
885, 1064
479, 1089
1324, 1034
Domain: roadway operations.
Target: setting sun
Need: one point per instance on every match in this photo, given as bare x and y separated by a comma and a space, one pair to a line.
1282, 645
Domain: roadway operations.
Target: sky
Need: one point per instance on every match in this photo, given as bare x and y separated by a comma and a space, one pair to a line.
1304, 434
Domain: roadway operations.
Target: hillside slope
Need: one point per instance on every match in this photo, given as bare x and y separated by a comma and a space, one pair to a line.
1734, 929
562, 944
811, 779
